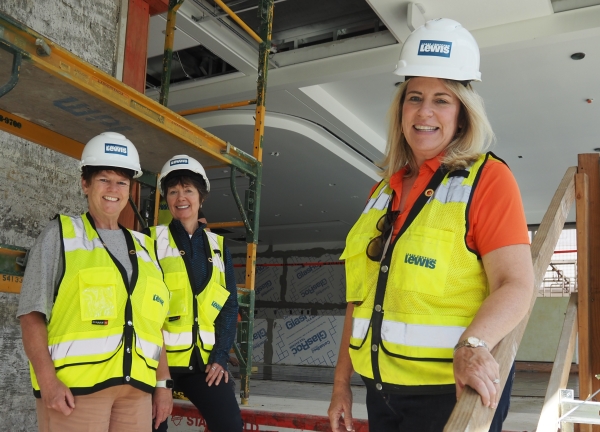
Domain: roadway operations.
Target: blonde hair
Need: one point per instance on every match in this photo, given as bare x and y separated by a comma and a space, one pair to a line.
474, 138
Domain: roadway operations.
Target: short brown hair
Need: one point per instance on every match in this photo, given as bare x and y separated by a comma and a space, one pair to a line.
88, 172
185, 177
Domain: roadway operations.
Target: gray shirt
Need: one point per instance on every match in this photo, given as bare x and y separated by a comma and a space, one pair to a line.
45, 266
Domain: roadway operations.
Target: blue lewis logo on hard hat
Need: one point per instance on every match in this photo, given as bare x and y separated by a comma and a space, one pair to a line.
435, 48
115, 149
182, 161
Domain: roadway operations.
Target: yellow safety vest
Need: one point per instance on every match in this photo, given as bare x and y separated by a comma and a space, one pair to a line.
190, 323
164, 214
104, 331
411, 309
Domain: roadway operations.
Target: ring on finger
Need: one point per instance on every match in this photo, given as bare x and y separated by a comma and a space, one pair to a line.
496, 381
222, 371
213, 368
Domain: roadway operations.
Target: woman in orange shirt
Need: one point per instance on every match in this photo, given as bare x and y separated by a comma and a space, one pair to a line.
438, 266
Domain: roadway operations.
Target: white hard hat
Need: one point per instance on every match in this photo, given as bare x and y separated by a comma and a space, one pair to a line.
441, 48
182, 162
111, 149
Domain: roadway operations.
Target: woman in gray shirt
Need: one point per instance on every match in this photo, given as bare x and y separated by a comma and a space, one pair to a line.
92, 306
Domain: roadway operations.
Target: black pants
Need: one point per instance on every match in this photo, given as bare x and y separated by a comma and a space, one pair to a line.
423, 413
216, 403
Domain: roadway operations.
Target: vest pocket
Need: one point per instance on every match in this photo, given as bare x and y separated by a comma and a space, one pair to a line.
178, 283
97, 293
357, 276
210, 303
421, 260
156, 300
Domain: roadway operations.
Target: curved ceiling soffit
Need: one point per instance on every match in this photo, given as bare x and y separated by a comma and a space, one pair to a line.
294, 124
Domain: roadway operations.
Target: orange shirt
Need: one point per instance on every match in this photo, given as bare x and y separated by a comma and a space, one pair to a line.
496, 215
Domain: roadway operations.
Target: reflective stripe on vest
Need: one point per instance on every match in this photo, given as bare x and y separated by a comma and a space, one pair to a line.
89, 335
416, 335
185, 338
76, 348
435, 285
187, 315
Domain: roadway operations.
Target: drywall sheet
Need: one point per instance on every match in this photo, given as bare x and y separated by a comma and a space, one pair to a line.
307, 340
315, 284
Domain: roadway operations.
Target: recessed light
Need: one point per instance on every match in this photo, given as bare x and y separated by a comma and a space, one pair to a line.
225, 194
577, 56
277, 215
520, 157
274, 154
354, 196
331, 184
299, 205
225, 171
323, 211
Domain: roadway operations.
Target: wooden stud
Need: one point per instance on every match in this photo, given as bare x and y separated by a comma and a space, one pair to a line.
136, 45
158, 6
560, 371
469, 414
588, 164
583, 288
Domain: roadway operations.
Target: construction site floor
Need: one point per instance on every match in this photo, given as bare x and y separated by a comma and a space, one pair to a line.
301, 396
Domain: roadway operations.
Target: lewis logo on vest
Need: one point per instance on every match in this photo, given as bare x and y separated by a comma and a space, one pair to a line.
419, 260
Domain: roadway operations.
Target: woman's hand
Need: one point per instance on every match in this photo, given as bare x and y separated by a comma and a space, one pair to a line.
510, 276
215, 373
57, 396
341, 397
478, 369
162, 405
341, 407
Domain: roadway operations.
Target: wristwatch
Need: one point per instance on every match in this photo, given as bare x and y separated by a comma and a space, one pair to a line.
168, 383
471, 342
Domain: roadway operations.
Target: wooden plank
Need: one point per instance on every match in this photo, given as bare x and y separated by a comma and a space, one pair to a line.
70, 97
158, 6
136, 45
30, 131
588, 164
469, 414
560, 372
583, 288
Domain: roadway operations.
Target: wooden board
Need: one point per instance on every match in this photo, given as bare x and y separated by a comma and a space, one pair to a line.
469, 414
560, 372
583, 288
588, 164
70, 98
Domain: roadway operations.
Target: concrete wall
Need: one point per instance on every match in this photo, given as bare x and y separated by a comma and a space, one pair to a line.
36, 183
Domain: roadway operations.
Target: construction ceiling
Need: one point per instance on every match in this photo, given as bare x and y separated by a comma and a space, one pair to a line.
330, 84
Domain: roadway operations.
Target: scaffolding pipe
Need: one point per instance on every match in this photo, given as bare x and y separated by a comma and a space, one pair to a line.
165, 79
239, 21
216, 107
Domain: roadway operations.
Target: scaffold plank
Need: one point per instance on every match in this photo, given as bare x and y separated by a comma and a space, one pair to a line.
71, 98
